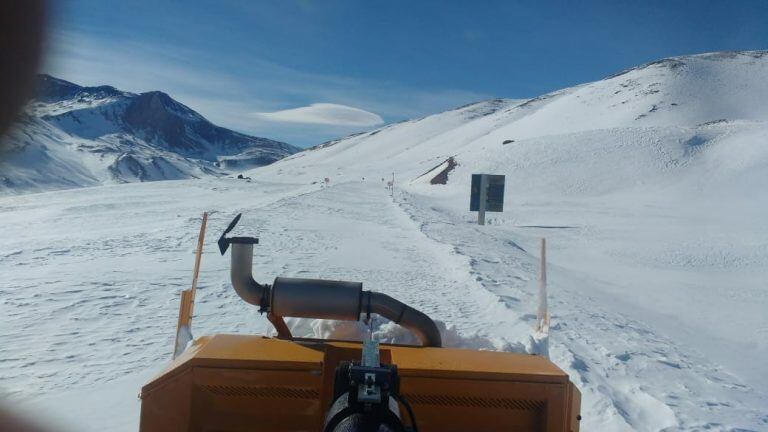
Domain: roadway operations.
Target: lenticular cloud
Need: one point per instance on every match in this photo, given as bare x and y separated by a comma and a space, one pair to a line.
325, 113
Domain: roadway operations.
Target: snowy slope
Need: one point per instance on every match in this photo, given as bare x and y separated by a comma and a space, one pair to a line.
708, 95
83, 136
648, 185
654, 219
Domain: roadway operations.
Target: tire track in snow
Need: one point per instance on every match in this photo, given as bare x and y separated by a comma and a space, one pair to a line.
351, 231
621, 366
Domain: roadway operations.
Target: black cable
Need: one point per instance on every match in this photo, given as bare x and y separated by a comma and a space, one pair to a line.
368, 312
401, 399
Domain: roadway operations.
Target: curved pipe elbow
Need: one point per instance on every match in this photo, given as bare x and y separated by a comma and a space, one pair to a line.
417, 322
242, 279
248, 289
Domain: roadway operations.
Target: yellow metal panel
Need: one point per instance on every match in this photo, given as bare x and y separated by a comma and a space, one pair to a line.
257, 348
440, 362
241, 351
241, 382
240, 400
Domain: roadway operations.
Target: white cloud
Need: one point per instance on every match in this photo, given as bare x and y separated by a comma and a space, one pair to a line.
326, 114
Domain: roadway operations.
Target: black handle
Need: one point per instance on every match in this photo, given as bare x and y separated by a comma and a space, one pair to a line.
224, 241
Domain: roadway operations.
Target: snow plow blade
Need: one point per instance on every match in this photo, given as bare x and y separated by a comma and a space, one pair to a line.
246, 383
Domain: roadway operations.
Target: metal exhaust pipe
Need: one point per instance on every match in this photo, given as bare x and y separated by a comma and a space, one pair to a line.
241, 274
419, 323
318, 298
342, 300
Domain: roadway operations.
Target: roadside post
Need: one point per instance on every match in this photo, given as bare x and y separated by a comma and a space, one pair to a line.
186, 309
542, 314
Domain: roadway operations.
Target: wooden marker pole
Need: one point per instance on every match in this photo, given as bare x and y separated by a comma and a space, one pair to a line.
198, 256
542, 315
187, 306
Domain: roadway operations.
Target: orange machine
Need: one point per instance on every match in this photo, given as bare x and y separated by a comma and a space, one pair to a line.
256, 383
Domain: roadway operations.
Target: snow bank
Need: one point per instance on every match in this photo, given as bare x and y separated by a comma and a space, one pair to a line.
386, 331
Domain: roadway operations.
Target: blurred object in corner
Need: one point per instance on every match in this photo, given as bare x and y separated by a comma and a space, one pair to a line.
22, 25
12, 422
22, 28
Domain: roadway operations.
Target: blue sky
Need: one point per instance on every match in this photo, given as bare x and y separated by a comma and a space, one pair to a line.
308, 71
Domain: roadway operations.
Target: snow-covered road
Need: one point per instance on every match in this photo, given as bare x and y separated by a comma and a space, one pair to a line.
92, 277
92, 281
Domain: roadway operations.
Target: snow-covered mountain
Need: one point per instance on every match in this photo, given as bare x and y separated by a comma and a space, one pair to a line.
636, 124
648, 185
73, 136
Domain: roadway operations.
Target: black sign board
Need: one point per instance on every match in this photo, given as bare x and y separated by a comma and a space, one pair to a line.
494, 196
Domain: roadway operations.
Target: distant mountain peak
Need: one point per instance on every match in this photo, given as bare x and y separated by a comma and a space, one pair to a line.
51, 89
77, 135
153, 116
52, 79
161, 97
157, 100
677, 62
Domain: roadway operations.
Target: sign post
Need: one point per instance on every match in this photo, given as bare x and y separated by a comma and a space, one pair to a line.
483, 200
487, 195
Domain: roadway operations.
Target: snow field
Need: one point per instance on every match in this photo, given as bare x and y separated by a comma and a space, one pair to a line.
648, 186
